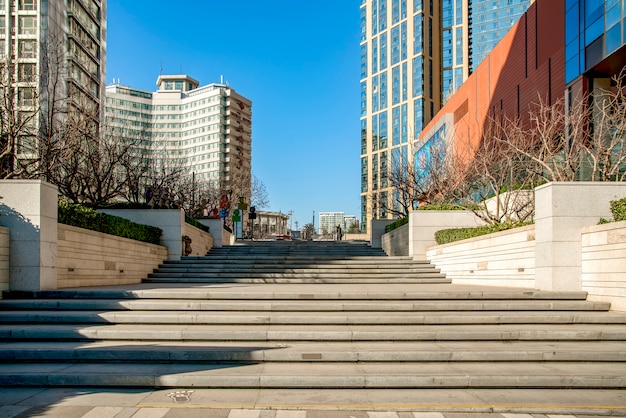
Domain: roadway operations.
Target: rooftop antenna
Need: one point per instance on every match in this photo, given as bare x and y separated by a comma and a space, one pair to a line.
161, 68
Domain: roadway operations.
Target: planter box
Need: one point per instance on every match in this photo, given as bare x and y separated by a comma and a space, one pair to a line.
396, 242
90, 258
604, 263
423, 224
505, 258
171, 221
29, 209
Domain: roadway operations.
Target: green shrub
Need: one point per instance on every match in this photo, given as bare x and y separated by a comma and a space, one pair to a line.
83, 217
194, 222
618, 209
396, 224
446, 236
441, 206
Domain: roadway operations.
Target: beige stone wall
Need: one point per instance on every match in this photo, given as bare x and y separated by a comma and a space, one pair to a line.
89, 258
604, 263
505, 258
201, 242
396, 242
4, 259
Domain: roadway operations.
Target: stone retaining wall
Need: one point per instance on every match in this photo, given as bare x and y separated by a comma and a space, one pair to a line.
604, 263
90, 258
201, 242
396, 242
505, 258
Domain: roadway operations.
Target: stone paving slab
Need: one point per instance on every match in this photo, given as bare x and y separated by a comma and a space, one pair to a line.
306, 403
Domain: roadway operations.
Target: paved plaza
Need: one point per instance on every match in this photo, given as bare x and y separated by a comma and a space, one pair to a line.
310, 403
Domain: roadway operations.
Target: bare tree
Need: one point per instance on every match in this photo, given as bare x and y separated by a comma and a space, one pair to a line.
427, 174
259, 198
575, 140
497, 182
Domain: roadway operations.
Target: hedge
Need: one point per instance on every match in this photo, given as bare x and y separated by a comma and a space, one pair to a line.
83, 217
446, 236
397, 224
194, 222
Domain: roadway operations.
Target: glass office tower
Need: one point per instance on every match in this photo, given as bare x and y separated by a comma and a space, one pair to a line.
415, 54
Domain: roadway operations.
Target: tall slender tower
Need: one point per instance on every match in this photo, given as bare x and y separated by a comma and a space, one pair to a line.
415, 54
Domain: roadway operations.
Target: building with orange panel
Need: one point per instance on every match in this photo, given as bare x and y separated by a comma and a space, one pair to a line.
525, 66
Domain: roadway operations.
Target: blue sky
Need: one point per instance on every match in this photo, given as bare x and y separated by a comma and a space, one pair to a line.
297, 61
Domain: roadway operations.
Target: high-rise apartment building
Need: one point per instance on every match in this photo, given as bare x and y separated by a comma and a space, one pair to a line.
329, 221
414, 54
206, 128
488, 22
54, 41
470, 30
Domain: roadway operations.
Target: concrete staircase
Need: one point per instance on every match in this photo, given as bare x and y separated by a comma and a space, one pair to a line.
204, 323
297, 262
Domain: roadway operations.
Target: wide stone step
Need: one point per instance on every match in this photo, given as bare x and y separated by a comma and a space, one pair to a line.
285, 333
296, 268
363, 291
307, 318
305, 305
252, 352
601, 375
294, 279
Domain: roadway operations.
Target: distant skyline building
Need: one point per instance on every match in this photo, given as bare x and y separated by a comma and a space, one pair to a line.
414, 54
329, 221
207, 128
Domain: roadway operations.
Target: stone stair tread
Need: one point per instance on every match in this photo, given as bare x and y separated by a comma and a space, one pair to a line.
318, 291
301, 304
163, 316
310, 375
298, 280
165, 351
149, 332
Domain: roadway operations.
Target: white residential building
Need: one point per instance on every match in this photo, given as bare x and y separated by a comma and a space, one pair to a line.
208, 127
329, 222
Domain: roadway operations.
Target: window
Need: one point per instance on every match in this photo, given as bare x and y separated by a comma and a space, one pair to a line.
27, 48
26, 96
27, 25
28, 4
363, 61
178, 85
27, 72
